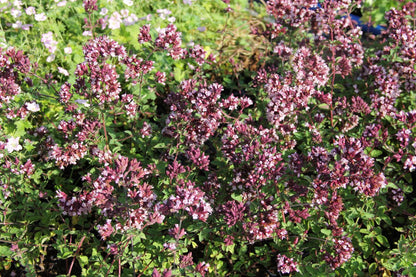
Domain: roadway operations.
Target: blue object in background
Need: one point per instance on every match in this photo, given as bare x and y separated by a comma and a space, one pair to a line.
366, 28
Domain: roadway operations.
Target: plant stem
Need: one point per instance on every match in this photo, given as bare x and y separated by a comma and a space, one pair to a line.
76, 253
107, 146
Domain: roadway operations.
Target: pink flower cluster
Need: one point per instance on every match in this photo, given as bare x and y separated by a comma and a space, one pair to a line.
195, 112
142, 208
286, 265
358, 166
12, 63
267, 165
101, 76
169, 39
343, 250
190, 199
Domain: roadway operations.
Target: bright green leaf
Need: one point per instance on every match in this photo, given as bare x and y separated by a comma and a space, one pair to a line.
83, 260
237, 197
326, 232
383, 240
5, 251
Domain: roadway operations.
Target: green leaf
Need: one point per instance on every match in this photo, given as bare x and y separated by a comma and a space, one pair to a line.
21, 127
392, 185
299, 136
382, 240
339, 86
411, 271
372, 268
83, 260
366, 215
138, 237
204, 234
323, 106
160, 145
179, 74
326, 232
128, 132
5, 251
238, 265
147, 94
29, 146
66, 255
237, 197
216, 254
375, 153
229, 248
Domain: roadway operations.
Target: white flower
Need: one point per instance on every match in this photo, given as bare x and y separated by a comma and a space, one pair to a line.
61, 4
33, 106
83, 102
124, 13
15, 12
30, 11
114, 21
63, 71
104, 11
47, 37
40, 17
68, 50
130, 20
163, 13
17, 3
13, 145
50, 58
87, 34
49, 42
17, 25
128, 2
26, 27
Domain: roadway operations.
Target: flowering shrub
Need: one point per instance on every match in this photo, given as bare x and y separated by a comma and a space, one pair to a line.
148, 158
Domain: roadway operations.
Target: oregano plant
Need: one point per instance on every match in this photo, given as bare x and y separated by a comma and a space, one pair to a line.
130, 146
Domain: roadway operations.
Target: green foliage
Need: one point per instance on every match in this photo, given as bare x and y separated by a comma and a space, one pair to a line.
374, 10
37, 237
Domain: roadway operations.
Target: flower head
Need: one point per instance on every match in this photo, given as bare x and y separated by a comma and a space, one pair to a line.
40, 17
13, 145
32, 106
30, 10
286, 265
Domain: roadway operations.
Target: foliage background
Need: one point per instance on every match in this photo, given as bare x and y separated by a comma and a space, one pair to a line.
37, 238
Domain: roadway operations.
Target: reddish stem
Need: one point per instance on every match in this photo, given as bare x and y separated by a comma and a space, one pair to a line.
76, 253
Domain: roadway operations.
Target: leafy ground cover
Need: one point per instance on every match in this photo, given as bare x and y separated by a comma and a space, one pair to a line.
207, 138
